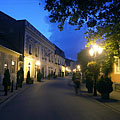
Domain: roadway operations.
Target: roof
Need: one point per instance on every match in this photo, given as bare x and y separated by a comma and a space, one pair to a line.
37, 32
59, 52
68, 61
5, 41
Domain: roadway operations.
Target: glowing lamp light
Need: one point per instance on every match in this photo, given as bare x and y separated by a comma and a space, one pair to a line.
95, 47
100, 50
74, 70
63, 69
5, 65
78, 66
91, 51
13, 63
38, 63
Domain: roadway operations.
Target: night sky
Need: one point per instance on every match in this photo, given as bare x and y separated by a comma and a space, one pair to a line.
69, 40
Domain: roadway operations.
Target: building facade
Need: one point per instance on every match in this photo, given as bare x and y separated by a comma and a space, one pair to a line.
70, 64
37, 52
8, 59
115, 75
59, 61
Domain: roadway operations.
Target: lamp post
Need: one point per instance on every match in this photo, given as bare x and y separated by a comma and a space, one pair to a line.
93, 52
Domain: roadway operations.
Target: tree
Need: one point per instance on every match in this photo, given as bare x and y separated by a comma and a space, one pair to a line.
78, 12
6, 80
39, 76
108, 36
20, 77
89, 80
28, 79
83, 58
102, 18
108, 43
104, 86
94, 68
107, 65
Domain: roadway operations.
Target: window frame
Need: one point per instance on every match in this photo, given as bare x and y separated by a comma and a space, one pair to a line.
117, 65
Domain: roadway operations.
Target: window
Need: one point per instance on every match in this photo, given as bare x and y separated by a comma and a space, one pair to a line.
13, 66
42, 54
5, 66
30, 49
117, 65
36, 52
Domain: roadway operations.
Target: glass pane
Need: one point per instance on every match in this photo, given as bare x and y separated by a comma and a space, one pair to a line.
117, 64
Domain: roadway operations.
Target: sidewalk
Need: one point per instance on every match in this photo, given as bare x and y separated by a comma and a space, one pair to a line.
113, 102
11, 94
4, 99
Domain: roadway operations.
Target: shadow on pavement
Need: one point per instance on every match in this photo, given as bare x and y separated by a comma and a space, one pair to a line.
107, 101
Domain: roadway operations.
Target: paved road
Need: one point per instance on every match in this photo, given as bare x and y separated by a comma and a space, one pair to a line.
54, 100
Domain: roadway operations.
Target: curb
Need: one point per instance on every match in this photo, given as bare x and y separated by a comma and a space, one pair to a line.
106, 104
102, 103
87, 95
14, 94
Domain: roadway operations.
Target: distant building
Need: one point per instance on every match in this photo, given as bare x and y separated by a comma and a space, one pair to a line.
59, 61
70, 63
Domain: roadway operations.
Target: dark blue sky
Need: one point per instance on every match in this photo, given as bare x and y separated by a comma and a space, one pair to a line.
69, 40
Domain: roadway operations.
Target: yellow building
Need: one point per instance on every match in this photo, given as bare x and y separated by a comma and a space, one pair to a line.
8, 59
115, 75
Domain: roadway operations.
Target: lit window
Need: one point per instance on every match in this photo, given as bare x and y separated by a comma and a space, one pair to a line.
5, 66
117, 65
13, 66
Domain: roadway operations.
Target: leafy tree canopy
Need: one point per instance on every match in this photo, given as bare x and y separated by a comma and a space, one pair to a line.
101, 16
78, 12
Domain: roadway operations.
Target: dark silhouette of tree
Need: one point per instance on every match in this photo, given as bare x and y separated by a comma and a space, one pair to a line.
78, 12
6, 80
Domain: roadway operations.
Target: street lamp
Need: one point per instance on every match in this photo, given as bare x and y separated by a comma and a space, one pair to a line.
78, 67
93, 52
